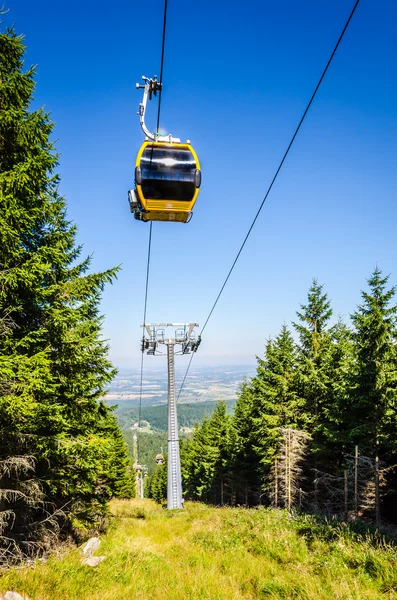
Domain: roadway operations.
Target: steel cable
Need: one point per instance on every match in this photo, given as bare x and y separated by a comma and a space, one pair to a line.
151, 222
162, 62
273, 180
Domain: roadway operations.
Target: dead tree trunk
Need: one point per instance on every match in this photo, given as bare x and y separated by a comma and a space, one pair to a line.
377, 503
346, 480
287, 467
356, 482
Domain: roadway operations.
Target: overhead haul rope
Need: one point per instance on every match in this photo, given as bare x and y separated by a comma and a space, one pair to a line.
151, 222
162, 62
273, 181
144, 320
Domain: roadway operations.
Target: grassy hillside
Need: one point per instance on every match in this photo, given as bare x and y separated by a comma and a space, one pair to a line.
215, 554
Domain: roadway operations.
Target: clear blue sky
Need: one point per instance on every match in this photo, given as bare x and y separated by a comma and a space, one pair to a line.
237, 77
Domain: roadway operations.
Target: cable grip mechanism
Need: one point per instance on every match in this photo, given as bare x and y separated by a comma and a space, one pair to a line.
150, 89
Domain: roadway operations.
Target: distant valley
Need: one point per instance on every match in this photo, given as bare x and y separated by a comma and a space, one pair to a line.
203, 387
203, 384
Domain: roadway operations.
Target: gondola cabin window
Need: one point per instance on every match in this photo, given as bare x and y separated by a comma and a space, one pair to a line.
168, 174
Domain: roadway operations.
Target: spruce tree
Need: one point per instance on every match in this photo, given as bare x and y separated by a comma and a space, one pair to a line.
222, 436
314, 317
373, 410
246, 463
156, 487
315, 343
53, 362
277, 403
198, 463
339, 367
207, 458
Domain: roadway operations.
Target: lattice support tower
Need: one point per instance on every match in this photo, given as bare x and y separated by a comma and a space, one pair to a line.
184, 337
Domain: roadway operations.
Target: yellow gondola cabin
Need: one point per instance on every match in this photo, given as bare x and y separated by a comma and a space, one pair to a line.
167, 182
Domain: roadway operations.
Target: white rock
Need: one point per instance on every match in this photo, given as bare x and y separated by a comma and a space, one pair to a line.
13, 596
91, 546
93, 561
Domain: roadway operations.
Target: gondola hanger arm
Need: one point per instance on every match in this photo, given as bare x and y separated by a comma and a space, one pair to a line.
150, 88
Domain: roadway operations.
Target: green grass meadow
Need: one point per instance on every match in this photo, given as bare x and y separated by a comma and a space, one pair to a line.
215, 554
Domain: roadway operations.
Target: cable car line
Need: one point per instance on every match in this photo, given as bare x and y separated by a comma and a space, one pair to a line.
144, 321
151, 223
273, 180
184, 377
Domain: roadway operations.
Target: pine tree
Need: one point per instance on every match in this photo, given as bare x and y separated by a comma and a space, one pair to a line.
53, 361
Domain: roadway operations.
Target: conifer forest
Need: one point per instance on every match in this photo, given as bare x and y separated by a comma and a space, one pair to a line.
314, 429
